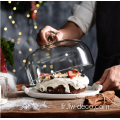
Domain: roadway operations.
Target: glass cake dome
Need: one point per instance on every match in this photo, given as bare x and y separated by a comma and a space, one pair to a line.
60, 56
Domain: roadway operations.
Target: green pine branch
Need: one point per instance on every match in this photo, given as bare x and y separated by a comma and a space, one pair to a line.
7, 49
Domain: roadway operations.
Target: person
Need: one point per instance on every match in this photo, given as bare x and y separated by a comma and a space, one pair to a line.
106, 15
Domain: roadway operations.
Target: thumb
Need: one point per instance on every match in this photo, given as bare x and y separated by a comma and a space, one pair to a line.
104, 76
100, 81
59, 36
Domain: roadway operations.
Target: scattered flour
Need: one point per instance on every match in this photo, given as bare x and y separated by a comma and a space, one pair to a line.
24, 104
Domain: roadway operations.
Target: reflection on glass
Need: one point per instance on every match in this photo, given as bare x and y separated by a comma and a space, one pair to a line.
83, 55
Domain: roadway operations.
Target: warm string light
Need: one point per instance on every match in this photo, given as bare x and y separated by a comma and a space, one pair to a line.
20, 52
19, 39
37, 5
51, 66
10, 17
35, 11
13, 22
24, 61
48, 57
18, 42
14, 8
40, 1
28, 15
47, 54
35, 27
14, 70
9, 2
12, 40
30, 49
44, 66
38, 61
19, 33
5, 28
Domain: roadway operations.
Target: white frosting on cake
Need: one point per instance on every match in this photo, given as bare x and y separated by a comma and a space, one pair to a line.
77, 82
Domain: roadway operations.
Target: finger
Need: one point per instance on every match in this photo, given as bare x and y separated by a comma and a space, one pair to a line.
113, 86
116, 88
42, 36
39, 40
106, 83
103, 78
59, 36
110, 88
39, 43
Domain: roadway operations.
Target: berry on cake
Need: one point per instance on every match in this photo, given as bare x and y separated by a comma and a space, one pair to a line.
72, 82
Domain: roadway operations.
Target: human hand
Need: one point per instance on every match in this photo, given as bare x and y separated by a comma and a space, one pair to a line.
110, 79
42, 37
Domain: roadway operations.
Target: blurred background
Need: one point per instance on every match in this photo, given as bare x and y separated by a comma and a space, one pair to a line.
20, 25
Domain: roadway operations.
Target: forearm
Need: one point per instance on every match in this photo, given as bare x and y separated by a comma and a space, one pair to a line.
71, 31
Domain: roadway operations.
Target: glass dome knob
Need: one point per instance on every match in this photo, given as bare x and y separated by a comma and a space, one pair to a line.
51, 37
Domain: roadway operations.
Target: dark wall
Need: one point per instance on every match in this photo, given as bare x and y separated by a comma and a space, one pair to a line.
52, 13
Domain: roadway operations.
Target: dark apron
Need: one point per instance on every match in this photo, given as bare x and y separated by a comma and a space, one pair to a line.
108, 37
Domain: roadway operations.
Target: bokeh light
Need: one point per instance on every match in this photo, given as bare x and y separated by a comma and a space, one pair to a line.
5, 28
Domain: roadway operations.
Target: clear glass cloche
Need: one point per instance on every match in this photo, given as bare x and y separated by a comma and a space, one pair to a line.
58, 57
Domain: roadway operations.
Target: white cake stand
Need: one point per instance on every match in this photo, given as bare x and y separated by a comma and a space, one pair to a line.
91, 90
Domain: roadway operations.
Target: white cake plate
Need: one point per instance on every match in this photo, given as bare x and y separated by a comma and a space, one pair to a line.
90, 90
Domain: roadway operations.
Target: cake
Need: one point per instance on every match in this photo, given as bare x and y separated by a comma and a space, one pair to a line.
72, 82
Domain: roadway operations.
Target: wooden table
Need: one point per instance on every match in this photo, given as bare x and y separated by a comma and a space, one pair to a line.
57, 111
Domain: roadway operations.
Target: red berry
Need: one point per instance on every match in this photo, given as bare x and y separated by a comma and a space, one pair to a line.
71, 74
42, 74
47, 76
75, 70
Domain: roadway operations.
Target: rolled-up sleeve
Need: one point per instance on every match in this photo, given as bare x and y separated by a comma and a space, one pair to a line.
83, 14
